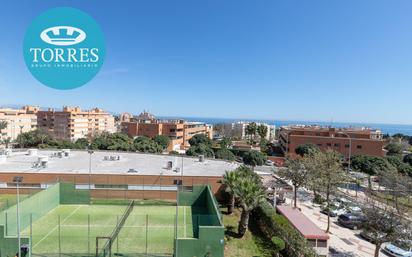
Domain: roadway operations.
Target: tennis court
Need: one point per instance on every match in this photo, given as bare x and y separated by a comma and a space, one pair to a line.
72, 229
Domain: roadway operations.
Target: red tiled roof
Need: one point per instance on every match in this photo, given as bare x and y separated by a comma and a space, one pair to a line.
306, 227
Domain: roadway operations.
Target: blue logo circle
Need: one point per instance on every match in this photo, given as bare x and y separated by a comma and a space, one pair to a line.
64, 48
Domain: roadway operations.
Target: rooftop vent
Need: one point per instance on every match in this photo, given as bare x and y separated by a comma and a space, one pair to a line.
132, 171
169, 165
111, 158
201, 158
32, 152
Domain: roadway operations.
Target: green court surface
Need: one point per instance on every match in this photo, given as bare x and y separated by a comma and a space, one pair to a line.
72, 229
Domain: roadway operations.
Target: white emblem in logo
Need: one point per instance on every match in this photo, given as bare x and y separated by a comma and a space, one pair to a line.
63, 35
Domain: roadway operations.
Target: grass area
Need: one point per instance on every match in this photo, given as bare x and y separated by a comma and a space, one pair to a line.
126, 202
252, 244
403, 201
148, 229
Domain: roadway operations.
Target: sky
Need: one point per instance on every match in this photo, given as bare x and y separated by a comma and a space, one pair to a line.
341, 60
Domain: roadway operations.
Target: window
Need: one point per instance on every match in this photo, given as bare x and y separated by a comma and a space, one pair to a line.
346, 145
359, 146
312, 242
336, 145
319, 145
177, 182
322, 243
329, 144
112, 186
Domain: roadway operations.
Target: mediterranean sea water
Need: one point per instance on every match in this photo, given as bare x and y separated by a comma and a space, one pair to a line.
385, 128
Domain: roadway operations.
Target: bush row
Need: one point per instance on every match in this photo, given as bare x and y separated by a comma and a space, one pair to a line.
272, 224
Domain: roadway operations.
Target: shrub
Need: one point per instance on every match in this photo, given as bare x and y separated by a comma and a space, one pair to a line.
274, 225
225, 154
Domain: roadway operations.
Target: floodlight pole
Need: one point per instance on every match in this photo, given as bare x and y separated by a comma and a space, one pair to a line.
90, 168
18, 180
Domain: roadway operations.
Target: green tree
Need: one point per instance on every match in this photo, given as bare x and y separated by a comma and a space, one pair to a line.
225, 154
326, 168
199, 139
146, 145
251, 130
295, 172
7, 141
3, 125
250, 195
81, 143
305, 149
225, 142
408, 159
162, 140
200, 149
394, 148
401, 167
254, 158
383, 224
367, 164
262, 130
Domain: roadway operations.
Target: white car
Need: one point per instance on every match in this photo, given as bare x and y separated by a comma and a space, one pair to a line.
398, 249
269, 163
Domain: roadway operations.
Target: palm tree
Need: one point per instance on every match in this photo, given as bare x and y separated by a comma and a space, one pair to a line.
3, 125
250, 194
7, 141
251, 130
262, 131
229, 181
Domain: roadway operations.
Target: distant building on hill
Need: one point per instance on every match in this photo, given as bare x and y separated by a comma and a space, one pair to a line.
347, 141
179, 131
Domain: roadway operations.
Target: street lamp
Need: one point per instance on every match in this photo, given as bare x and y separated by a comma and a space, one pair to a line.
18, 180
90, 152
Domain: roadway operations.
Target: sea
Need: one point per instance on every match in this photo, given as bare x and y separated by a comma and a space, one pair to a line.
385, 128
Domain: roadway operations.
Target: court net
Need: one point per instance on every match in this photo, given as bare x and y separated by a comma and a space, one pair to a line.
106, 250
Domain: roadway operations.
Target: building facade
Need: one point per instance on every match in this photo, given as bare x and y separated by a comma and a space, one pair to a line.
18, 121
179, 131
237, 130
73, 123
348, 141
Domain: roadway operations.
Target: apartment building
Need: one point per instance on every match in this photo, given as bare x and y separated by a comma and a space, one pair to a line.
179, 131
348, 141
18, 121
72, 123
238, 130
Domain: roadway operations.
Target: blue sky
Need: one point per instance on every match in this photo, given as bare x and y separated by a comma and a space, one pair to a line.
342, 60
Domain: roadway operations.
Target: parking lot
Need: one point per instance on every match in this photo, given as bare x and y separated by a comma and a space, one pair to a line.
343, 241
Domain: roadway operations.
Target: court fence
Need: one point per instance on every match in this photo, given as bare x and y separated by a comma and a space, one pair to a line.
60, 222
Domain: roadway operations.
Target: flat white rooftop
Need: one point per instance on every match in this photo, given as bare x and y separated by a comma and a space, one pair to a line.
109, 162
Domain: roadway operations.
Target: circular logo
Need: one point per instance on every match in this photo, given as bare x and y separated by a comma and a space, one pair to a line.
64, 48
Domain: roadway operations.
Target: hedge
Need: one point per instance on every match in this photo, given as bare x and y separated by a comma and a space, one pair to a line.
272, 224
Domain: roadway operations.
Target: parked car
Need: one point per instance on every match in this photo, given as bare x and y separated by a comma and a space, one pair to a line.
269, 163
354, 209
368, 236
333, 211
351, 220
398, 249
